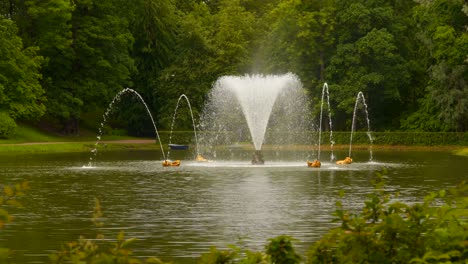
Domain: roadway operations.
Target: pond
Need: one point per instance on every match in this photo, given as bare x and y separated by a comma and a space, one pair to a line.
178, 213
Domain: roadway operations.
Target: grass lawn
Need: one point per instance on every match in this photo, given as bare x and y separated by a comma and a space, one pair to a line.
31, 139
73, 147
462, 152
27, 134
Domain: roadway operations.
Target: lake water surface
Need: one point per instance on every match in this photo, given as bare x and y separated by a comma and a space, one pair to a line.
178, 213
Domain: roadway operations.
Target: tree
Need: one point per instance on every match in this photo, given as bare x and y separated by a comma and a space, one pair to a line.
101, 65
300, 39
47, 24
154, 27
21, 95
367, 59
232, 34
86, 44
442, 31
209, 45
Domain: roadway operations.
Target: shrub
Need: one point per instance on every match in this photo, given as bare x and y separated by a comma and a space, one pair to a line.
9, 198
401, 138
281, 251
388, 231
7, 125
216, 256
342, 138
278, 251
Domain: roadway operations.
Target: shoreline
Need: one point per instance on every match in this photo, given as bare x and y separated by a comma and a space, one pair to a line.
151, 144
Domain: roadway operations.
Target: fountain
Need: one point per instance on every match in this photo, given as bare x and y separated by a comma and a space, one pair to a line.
360, 97
198, 157
272, 108
332, 142
116, 99
316, 163
257, 158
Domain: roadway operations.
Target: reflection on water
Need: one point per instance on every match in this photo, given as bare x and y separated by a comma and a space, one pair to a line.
178, 213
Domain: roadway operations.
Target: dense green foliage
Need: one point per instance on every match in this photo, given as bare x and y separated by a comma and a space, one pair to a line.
69, 58
7, 125
21, 95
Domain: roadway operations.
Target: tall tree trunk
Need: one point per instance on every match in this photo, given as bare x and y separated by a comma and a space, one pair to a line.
10, 11
71, 127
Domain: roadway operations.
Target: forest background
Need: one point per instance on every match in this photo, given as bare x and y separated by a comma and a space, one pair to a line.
62, 61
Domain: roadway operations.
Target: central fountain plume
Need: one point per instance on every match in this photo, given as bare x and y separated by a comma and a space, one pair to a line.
256, 94
271, 108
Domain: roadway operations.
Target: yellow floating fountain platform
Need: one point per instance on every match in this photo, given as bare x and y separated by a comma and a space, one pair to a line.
169, 163
200, 158
346, 161
314, 164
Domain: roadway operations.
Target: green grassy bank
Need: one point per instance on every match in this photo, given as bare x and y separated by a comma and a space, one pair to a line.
29, 139
61, 147
28, 134
462, 152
